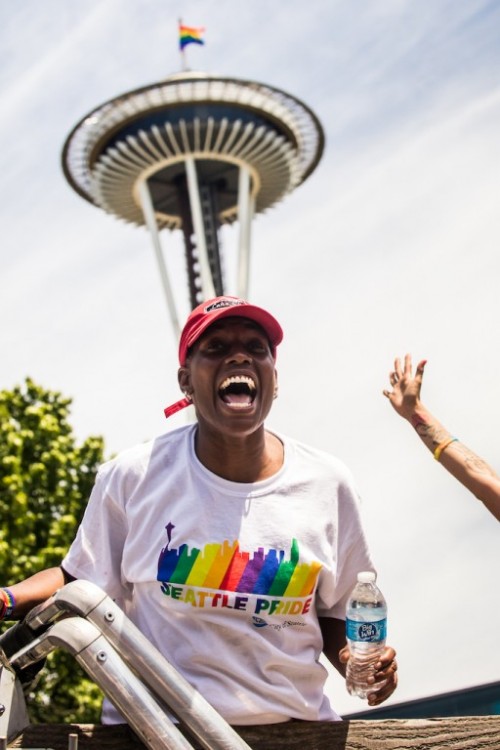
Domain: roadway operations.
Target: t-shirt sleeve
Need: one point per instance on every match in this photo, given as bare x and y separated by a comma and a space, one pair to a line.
96, 553
352, 552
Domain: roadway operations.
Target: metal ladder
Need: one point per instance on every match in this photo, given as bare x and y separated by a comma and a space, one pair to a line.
144, 687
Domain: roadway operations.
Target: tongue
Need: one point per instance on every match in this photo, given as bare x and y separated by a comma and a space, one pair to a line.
238, 399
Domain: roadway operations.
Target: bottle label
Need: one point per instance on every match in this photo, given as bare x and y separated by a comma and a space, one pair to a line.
366, 632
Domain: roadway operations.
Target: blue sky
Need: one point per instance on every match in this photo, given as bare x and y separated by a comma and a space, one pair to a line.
390, 246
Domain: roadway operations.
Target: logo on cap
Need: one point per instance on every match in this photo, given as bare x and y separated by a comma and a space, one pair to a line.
224, 303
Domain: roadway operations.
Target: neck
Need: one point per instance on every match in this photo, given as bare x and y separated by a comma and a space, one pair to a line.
240, 459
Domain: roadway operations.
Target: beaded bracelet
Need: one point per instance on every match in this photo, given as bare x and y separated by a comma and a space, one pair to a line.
442, 446
7, 603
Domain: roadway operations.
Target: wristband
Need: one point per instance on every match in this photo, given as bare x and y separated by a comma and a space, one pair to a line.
8, 603
442, 446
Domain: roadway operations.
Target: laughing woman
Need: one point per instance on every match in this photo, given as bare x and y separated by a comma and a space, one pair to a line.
233, 548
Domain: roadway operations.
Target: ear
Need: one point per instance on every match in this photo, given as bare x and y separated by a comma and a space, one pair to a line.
184, 380
275, 384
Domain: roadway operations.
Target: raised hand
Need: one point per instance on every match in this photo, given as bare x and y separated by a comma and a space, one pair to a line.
405, 393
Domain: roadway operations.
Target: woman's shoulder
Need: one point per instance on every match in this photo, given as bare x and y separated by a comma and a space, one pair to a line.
318, 459
139, 457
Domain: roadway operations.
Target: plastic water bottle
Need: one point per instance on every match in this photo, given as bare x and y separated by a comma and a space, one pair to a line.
366, 626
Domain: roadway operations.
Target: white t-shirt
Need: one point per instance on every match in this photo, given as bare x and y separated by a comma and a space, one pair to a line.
227, 579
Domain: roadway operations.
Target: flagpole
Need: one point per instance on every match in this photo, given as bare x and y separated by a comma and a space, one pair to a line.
182, 49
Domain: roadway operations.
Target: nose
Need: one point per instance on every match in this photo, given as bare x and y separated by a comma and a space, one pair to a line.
238, 356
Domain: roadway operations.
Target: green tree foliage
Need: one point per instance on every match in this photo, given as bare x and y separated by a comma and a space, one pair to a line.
45, 482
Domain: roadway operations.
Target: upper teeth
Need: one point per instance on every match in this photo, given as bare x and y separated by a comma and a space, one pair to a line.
238, 379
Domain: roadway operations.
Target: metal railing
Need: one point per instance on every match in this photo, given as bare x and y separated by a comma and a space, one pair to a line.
144, 687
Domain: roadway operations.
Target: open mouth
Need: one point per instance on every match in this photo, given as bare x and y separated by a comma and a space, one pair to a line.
238, 391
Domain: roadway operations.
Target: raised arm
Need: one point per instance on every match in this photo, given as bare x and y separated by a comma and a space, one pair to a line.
471, 470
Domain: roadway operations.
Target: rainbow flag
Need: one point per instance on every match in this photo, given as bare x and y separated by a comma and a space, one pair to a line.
190, 35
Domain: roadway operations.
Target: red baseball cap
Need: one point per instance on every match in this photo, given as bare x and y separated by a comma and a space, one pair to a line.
214, 309
226, 307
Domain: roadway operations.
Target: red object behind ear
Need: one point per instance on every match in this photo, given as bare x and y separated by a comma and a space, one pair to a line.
177, 407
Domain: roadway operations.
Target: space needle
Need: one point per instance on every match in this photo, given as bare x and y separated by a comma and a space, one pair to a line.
191, 153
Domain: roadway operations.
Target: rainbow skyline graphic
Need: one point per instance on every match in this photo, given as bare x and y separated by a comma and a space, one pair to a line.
224, 566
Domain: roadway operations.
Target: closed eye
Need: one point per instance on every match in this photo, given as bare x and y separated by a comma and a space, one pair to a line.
219, 346
258, 346
215, 345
